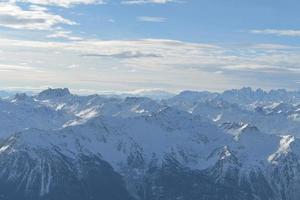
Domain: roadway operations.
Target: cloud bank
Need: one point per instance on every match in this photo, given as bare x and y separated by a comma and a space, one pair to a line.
148, 63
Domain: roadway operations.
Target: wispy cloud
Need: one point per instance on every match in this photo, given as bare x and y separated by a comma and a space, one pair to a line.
278, 32
36, 18
266, 46
151, 19
19, 68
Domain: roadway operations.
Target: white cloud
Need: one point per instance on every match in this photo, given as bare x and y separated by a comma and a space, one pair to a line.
62, 3
278, 32
151, 19
36, 18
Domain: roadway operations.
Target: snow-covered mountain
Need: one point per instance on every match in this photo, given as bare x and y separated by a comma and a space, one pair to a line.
275, 112
22, 112
196, 145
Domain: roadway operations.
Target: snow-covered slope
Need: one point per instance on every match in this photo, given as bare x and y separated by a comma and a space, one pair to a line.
134, 146
23, 112
95, 105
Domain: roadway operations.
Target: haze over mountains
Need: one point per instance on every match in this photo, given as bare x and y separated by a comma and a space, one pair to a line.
239, 144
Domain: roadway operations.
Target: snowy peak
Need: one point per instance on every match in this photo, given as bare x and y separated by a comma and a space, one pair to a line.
246, 128
240, 129
232, 125
285, 143
287, 153
277, 108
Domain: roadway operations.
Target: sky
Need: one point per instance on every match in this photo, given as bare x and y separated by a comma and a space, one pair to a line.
132, 45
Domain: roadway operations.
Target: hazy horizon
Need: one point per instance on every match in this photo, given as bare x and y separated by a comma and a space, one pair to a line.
142, 92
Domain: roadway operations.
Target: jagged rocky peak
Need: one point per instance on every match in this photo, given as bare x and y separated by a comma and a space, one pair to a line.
245, 95
23, 99
247, 91
20, 97
54, 93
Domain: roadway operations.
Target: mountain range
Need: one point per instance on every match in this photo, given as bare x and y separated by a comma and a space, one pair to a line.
241, 144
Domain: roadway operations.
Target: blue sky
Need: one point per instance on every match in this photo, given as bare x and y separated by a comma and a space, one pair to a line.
127, 45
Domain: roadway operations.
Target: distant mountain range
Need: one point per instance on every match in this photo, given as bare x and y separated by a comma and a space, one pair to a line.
237, 145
